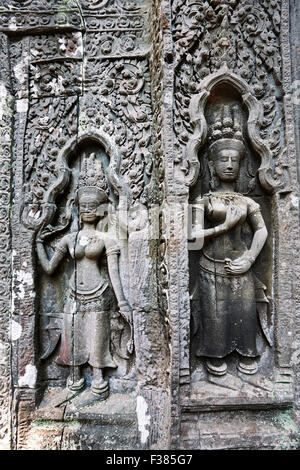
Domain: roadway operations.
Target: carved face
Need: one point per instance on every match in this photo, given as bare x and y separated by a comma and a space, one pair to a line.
88, 209
226, 164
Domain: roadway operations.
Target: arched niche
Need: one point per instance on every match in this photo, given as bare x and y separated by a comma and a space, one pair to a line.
60, 215
65, 161
255, 181
224, 78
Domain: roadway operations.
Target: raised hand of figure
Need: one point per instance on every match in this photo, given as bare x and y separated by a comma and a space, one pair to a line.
43, 234
233, 215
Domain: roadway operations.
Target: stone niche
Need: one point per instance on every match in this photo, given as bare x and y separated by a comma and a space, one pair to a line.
231, 151
149, 224
83, 161
226, 117
233, 358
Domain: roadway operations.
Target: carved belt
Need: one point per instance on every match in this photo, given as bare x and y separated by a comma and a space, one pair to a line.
214, 266
86, 296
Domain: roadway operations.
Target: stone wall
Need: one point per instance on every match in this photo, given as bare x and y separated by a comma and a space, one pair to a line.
124, 107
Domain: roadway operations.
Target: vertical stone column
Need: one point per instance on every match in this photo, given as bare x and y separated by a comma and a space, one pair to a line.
287, 228
173, 200
7, 331
24, 321
151, 346
294, 41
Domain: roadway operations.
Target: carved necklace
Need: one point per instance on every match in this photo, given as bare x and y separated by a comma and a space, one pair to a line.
226, 197
86, 239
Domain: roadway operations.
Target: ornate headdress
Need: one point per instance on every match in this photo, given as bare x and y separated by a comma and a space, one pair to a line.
92, 182
226, 131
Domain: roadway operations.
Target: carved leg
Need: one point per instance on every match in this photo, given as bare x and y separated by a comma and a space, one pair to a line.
99, 385
247, 365
216, 366
75, 382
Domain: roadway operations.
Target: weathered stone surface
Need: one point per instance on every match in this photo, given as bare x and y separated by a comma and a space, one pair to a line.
110, 110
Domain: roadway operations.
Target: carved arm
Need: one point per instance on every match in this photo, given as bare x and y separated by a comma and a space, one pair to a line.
233, 215
113, 269
49, 266
260, 233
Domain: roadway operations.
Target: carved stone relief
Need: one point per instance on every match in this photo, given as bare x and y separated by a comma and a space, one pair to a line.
227, 58
231, 83
7, 334
245, 36
83, 93
124, 123
222, 279
94, 290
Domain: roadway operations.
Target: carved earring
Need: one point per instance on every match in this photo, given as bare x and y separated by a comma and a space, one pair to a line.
212, 181
102, 210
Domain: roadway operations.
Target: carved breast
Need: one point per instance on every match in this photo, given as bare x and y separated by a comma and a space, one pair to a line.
89, 246
218, 204
229, 244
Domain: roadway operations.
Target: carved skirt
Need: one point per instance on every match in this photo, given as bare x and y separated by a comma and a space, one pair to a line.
225, 316
86, 330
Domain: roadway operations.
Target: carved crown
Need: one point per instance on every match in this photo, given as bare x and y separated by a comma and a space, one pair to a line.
92, 182
226, 131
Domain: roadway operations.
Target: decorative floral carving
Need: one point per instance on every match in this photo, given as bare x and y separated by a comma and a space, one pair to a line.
55, 79
244, 35
67, 45
112, 6
115, 44
52, 121
37, 19
94, 4
122, 93
38, 4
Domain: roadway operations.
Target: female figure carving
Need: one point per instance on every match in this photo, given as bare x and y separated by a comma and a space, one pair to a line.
230, 297
85, 334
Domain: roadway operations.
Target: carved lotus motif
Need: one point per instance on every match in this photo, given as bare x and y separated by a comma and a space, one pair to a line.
94, 4
23, 3
128, 43
107, 45
252, 20
4, 19
129, 5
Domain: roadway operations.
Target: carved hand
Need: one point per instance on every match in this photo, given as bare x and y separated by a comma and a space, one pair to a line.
125, 311
233, 215
42, 234
240, 265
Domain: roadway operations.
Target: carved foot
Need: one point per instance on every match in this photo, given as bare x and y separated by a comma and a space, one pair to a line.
99, 385
100, 388
75, 382
75, 385
247, 365
216, 366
